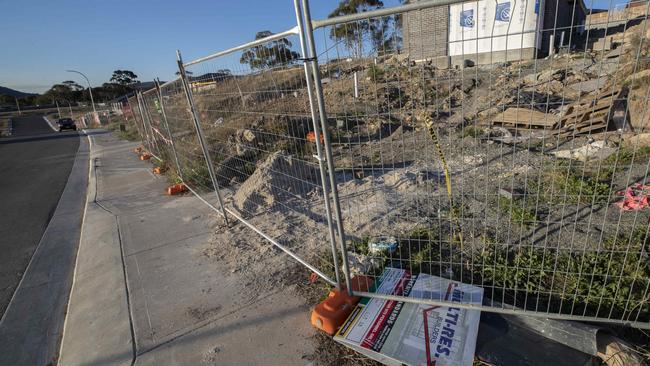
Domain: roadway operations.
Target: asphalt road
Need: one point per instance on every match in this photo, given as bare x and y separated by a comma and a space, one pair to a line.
34, 167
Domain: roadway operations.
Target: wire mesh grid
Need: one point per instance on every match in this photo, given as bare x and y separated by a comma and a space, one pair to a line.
501, 144
160, 135
138, 117
188, 158
467, 154
255, 113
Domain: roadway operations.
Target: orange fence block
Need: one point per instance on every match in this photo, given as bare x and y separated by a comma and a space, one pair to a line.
330, 314
176, 189
159, 170
145, 156
311, 136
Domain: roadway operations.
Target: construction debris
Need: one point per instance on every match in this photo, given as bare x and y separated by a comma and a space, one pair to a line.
635, 198
596, 150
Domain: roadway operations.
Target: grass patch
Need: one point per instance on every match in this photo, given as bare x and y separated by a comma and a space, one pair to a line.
518, 212
198, 175
613, 278
568, 185
129, 133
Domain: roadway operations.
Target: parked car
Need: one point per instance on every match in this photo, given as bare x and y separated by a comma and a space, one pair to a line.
66, 124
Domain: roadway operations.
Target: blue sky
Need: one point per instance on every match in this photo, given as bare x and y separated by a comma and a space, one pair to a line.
42, 38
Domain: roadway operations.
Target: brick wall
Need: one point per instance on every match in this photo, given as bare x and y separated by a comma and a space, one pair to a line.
425, 32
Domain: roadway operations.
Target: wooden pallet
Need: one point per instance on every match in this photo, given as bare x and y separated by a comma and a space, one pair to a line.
588, 115
525, 118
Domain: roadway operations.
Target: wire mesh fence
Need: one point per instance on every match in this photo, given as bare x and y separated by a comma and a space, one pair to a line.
257, 121
499, 144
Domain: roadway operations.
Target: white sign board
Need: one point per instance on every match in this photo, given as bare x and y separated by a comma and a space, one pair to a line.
397, 333
494, 25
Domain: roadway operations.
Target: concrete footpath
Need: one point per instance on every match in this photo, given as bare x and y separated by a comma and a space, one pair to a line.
144, 291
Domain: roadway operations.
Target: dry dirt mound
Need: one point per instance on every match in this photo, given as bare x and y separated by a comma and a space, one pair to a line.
276, 180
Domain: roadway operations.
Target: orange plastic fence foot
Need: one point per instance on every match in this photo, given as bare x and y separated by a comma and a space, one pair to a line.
145, 156
159, 170
176, 189
332, 312
138, 149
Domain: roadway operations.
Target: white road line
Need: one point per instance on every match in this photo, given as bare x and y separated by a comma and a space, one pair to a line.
51, 124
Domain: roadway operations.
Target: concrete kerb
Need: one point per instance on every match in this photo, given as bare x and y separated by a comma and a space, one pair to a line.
32, 324
50, 123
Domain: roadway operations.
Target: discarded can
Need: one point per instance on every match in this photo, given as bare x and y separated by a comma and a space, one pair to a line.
382, 244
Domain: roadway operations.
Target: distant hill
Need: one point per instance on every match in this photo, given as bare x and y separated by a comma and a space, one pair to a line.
14, 93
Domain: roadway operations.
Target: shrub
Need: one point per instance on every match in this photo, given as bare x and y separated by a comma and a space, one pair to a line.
375, 73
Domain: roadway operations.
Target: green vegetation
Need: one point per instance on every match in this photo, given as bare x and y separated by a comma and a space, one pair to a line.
569, 185
361, 246
197, 174
272, 54
518, 211
613, 277
626, 156
375, 73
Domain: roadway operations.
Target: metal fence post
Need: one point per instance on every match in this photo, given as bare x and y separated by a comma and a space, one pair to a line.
199, 131
144, 123
169, 131
311, 56
319, 148
147, 120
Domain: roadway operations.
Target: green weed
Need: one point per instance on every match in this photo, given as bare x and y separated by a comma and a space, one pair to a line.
518, 212
612, 278
567, 185
375, 73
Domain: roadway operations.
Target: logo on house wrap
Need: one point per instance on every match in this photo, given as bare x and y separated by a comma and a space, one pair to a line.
467, 18
503, 12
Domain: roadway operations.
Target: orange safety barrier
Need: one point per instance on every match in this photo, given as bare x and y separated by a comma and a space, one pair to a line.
176, 189
159, 170
145, 156
330, 314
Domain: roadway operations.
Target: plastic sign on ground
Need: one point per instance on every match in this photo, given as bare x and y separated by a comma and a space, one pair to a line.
397, 333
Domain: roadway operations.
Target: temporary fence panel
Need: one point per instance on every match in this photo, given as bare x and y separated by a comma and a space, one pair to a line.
254, 110
136, 110
465, 154
159, 133
509, 171
191, 164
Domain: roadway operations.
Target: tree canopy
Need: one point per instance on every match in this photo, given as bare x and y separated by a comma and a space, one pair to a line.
124, 77
268, 55
377, 31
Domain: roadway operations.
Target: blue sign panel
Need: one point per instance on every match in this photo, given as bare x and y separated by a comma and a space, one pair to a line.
503, 12
467, 18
